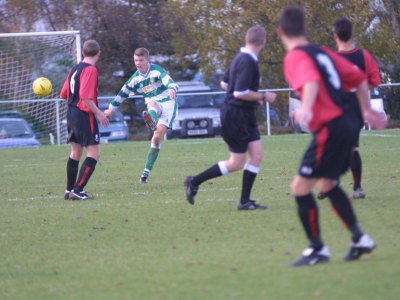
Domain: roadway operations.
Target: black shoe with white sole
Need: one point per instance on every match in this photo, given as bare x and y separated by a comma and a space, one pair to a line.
311, 256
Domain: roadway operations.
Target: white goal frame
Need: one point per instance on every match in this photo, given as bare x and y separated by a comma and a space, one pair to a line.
56, 101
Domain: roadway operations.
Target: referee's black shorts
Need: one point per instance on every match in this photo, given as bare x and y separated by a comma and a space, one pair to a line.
328, 155
82, 127
239, 127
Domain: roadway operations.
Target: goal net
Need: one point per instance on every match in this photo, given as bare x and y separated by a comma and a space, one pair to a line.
25, 57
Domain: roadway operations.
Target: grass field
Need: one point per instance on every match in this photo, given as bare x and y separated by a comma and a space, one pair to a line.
146, 242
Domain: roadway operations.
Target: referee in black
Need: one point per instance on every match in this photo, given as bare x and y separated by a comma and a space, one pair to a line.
239, 123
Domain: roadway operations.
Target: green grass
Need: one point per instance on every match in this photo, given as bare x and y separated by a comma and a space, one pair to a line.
146, 242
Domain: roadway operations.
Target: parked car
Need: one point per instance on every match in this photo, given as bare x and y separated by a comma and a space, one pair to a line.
117, 130
16, 132
199, 113
10, 114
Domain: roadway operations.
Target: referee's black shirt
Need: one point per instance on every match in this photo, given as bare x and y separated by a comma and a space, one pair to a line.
243, 75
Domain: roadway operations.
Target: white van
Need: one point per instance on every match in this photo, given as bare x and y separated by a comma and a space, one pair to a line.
199, 111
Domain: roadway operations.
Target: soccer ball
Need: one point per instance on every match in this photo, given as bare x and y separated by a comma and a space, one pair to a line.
42, 86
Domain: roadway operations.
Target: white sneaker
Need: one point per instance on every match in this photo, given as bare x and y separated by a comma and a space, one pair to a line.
358, 194
364, 245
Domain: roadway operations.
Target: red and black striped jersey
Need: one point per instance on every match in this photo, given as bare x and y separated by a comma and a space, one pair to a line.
334, 74
81, 83
366, 62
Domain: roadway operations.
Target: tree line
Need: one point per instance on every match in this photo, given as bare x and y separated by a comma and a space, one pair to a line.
192, 35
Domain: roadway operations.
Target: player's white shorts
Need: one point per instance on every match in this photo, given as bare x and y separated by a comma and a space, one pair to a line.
167, 112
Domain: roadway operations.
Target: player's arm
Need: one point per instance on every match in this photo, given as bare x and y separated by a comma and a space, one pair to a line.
243, 92
376, 119
102, 117
250, 95
224, 81
169, 83
126, 90
88, 93
372, 70
65, 89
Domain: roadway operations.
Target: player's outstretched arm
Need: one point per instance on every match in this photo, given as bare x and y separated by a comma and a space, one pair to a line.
375, 119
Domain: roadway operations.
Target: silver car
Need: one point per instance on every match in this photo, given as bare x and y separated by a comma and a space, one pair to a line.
199, 111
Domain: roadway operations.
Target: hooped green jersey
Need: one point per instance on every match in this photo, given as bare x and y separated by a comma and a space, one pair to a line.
153, 86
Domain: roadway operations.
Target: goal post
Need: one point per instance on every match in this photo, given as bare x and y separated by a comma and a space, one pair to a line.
25, 57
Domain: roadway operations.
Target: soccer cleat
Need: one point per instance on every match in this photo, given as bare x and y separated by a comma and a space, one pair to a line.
365, 245
79, 196
311, 257
190, 189
251, 205
358, 194
66, 195
321, 196
143, 180
149, 121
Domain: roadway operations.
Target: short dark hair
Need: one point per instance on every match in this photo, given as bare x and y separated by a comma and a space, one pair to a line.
90, 48
343, 29
256, 35
292, 21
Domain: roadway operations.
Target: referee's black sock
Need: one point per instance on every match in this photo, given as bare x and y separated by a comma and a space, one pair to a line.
210, 173
342, 206
247, 184
72, 173
85, 172
309, 216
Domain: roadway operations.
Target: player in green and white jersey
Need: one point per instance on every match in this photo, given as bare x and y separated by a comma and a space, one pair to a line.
159, 91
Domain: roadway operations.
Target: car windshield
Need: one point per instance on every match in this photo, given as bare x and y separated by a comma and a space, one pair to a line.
14, 128
199, 101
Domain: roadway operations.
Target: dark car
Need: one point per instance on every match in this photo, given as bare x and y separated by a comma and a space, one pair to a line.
16, 132
118, 128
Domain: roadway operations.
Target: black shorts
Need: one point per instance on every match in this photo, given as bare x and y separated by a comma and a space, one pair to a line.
82, 127
354, 112
328, 154
239, 127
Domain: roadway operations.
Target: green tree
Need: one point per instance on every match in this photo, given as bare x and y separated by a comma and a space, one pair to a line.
212, 31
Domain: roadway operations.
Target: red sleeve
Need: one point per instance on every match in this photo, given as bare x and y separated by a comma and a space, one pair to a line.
351, 76
65, 89
299, 69
88, 83
371, 69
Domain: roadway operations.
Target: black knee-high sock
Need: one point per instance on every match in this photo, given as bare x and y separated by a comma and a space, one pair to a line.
211, 172
85, 172
247, 185
309, 217
72, 173
342, 206
356, 169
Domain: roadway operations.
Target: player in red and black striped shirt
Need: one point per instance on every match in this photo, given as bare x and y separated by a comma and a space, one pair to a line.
323, 80
342, 34
80, 90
